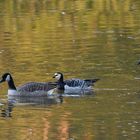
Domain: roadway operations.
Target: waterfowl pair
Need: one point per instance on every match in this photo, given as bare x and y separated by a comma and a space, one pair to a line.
28, 89
49, 88
73, 85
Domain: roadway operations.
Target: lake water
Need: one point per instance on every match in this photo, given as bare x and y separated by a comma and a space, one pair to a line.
81, 38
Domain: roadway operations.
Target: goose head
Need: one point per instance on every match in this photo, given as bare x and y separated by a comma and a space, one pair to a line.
6, 77
60, 83
58, 76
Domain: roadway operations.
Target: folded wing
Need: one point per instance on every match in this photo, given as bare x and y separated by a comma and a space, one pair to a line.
36, 86
80, 83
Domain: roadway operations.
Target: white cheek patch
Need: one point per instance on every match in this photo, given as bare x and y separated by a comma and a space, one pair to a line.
58, 76
8, 78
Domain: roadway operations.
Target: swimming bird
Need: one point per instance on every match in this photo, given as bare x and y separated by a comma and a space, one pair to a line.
28, 89
73, 85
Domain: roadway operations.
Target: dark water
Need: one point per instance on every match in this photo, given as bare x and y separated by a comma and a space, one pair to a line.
85, 39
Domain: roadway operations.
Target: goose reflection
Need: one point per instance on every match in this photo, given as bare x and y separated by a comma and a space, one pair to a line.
36, 100
7, 108
6, 111
78, 93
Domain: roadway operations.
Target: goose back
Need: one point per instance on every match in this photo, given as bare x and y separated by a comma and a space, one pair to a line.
36, 86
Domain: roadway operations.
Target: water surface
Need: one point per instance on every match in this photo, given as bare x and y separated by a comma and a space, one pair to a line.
85, 39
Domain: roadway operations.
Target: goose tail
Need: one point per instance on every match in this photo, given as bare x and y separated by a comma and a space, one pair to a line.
92, 80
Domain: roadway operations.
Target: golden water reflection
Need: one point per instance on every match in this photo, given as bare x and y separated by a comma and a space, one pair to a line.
88, 118
85, 39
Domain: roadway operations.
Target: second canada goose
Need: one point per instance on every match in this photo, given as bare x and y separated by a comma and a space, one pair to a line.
73, 84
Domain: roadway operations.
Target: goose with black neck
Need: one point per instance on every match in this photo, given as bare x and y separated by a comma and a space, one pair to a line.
30, 89
74, 85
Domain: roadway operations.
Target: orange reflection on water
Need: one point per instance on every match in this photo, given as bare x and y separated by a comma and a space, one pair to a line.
46, 127
64, 127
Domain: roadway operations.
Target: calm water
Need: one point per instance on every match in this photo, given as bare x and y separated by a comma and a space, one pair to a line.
85, 39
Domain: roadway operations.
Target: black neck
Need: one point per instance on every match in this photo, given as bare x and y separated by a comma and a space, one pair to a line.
61, 79
11, 84
61, 84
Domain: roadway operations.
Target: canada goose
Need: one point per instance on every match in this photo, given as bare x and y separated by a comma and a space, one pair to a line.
28, 89
73, 84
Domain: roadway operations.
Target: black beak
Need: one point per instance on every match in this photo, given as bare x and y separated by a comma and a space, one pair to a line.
53, 76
